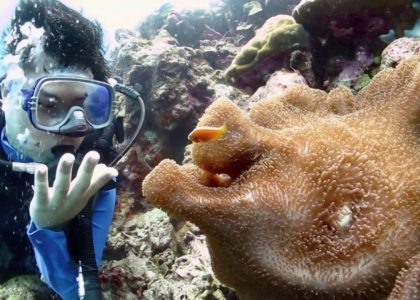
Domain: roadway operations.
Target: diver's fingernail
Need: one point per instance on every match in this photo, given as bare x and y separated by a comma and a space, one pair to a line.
68, 159
41, 170
94, 157
113, 172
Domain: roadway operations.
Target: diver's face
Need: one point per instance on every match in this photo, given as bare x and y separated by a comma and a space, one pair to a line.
20, 132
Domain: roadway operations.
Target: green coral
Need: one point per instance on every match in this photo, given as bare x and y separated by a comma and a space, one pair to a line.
278, 36
362, 82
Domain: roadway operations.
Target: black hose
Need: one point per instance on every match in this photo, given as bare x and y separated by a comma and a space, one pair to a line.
89, 288
129, 92
6, 164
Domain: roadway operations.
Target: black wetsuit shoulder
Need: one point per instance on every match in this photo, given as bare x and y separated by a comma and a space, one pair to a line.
16, 255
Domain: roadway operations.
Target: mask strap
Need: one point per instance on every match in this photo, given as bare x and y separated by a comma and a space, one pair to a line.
27, 94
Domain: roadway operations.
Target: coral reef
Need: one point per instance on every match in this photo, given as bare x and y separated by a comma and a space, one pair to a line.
146, 153
341, 42
236, 19
311, 194
173, 51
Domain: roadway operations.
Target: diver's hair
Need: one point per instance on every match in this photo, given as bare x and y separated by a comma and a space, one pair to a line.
70, 38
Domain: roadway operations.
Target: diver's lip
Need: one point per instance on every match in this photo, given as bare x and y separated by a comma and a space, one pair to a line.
68, 141
65, 145
60, 149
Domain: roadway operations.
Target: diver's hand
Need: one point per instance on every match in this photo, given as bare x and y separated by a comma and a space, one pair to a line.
53, 206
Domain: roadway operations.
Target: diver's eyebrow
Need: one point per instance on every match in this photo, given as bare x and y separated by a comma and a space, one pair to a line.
49, 95
46, 70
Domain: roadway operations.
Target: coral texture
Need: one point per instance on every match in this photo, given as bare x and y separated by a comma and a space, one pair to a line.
310, 195
268, 51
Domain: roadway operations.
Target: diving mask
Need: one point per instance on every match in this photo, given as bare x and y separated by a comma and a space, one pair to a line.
69, 105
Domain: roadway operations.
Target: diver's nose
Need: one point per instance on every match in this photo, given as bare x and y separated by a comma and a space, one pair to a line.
79, 119
76, 125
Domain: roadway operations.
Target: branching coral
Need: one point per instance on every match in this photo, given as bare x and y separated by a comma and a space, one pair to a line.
320, 193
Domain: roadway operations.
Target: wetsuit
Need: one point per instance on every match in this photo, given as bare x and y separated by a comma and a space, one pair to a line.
50, 247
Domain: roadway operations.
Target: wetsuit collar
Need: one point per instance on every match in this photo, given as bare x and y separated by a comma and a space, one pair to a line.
12, 153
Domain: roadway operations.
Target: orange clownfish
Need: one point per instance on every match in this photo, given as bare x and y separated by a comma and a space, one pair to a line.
206, 134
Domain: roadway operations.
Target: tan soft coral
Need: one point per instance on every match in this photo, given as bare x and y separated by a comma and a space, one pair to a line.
323, 200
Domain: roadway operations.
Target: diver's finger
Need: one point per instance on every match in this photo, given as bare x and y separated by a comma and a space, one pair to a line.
84, 175
63, 177
101, 175
41, 185
74, 205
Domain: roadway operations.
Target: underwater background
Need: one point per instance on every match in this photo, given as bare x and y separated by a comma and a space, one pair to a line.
181, 61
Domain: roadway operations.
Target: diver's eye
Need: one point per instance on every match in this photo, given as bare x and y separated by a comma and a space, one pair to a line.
80, 99
47, 104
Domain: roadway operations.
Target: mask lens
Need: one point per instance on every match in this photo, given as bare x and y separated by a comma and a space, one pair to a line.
97, 104
56, 98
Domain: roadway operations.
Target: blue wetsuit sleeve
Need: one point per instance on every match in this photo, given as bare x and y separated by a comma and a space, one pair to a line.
53, 260
101, 221
51, 253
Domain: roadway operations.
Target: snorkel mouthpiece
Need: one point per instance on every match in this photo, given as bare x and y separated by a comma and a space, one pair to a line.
59, 150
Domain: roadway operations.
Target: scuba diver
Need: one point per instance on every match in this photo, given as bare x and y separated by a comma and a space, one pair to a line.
58, 130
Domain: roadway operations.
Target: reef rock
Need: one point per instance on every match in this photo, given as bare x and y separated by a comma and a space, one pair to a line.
25, 287
399, 50
278, 82
353, 73
355, 18
172, 80
310, 194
